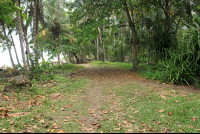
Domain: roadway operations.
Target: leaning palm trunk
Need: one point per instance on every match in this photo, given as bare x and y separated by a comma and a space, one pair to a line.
10, 54
97, 48
34, 30
67, 60
134, 34
57, 52
21, 38
15, 51
102, 45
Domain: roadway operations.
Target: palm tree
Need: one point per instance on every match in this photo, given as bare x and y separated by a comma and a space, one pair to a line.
21, 37
8, 47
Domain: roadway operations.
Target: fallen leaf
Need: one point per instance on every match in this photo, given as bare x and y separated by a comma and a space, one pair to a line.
170, 113
197, 129
27, 131
11, 123
62, 109
94, 123
162, 115
117, 124
52, 130
70, 105
101, 132
194, 118
176, 101
136, 112
46, 126
124, 122
105, 112
132, 121
143, 124
130, 130
117, 129
60, 131
91, 111
158, 122
151, 130
182, 112
162, 110
42, 121
163, 96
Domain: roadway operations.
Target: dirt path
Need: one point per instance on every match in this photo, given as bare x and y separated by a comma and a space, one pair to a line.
102, 77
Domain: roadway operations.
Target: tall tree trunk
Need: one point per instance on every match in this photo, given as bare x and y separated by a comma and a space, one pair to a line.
102, 45
8, 47
97, 49
84, 57
57, 52
134, 34
35, 30
15, 51
27, 44
21, 37
67, 60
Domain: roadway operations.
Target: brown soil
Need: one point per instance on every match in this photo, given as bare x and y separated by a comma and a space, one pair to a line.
102, 77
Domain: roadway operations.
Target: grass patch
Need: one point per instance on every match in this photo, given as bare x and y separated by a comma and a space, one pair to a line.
51, 105
118, 65
135, 109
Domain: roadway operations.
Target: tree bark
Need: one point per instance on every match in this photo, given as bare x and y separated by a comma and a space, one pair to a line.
57, 52
102, 45
10, 54
62, 49
21, 38
15, 51
35, 30
97, 49
134, 35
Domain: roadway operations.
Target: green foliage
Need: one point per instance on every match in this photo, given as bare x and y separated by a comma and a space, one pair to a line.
179, 69
7, 9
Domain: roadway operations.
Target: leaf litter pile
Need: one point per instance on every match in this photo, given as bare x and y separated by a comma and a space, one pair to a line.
103, 101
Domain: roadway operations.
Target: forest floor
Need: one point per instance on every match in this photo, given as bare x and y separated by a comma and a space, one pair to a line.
103, 77
101, 100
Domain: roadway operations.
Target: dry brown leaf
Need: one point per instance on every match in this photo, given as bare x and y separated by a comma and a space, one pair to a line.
170, 113
130, 130
94, 123
176, 101
197, 129
105, 112
132, 121
91, 111
194, 118
42, 121
143, 124
124, 122
136, 112
101, 132
18, 114
151, 130
117, 124
117, 129
70, 105
163, 96
162, 110
60, 131
52, 130
11, 123
55, 124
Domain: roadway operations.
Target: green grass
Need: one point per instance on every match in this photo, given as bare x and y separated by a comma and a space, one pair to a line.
45, 110
143, 105
118, 65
